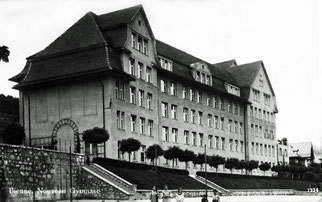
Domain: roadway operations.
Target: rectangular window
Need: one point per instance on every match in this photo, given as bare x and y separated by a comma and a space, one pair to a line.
133, 123
253, 147
256, 95
141, 98
120, 120
241, 146
140, 44
164, 109
184, 92
208, 100
267, 99
210, 141
229, 107
149, 74
222, 104
260, 131
261, 149
119, 90
230, 144
197, 76
185, 114
223, 143
134, 36
216, 142
192, 95
199, 97
215, 100
252, 129
256, 130
200, 118
174, 111
209, 120
230, 127
265, 150
203, 78
208, 80
140, 70
241, 128
165, 63
251, 113
145, 46
235, 108
150, 127
200, 139
257, 148
132, 67
216, 122
132, 95
222, 120
142, 125
259, 113
173, 88
269, 150
163, 86
193, 115
273, 151
149, 101
186, 137
236, 127
194, 138
174, 134
236, 145
165, 133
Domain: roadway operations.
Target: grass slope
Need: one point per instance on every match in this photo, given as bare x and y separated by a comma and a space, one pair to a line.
258, 182
144, 175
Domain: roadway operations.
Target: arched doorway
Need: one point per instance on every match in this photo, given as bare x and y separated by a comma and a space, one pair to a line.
65, 133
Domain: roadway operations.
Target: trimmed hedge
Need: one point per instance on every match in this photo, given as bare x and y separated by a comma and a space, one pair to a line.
139, 166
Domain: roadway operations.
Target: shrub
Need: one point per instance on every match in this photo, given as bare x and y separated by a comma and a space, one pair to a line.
95, 135
14, 134
129, 145
152, 152
187, 156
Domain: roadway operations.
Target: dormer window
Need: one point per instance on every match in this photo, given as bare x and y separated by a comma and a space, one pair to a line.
201, 73
165, 63
233, 89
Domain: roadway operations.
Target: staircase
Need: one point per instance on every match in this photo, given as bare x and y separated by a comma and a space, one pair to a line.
211, 184
112, 179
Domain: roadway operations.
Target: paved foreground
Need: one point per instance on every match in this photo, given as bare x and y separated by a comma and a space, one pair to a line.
236, 198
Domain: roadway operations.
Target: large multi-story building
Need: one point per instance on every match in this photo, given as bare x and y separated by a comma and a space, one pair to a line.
109, 71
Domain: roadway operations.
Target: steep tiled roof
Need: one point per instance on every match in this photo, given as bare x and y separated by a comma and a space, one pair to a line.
245, 74
302, 149
83, 48
224, 64
182, 60
118, 18
84, 33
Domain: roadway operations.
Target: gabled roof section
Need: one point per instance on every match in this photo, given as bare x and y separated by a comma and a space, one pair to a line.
301, 149
84, 33
182, 61
118, 18
245, 74
228, 63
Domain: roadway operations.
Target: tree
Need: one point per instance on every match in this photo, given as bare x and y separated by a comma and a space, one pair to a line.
252, 165
152, 152
173, 153
187, 156
264, 167
129, 145
4, 53
215, 161
231, 163
242, 165
199, 160
14, 134
95, 136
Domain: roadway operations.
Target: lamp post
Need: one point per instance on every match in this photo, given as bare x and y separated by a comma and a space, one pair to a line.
206, 170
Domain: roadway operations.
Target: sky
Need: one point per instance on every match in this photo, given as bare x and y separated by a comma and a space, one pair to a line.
284, 34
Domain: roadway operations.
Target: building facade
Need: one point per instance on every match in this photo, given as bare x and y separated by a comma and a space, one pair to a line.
109, 71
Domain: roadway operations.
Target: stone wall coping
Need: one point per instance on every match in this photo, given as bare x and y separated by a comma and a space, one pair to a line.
103, 179
123, 180
39, 149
